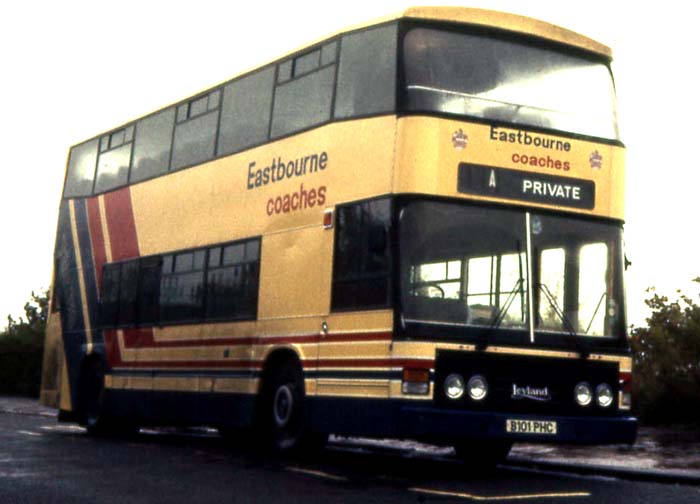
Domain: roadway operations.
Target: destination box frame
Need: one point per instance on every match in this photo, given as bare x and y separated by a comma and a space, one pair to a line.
506, 183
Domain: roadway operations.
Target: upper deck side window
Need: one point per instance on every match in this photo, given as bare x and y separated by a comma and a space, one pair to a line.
367, 73
353, 75
304, 91
81, 170
154, 135
195, 130
245, 111
114, 159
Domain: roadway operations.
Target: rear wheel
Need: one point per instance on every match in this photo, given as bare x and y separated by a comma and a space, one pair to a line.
482, 455
92, 395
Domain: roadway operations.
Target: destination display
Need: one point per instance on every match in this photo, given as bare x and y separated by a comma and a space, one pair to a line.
536, 187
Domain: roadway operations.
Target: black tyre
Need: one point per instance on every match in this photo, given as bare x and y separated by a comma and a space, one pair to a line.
482, 455
283, 414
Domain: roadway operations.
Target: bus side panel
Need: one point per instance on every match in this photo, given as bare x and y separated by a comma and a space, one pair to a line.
295, 273
235, 197
177, 407
73, 315
76, 292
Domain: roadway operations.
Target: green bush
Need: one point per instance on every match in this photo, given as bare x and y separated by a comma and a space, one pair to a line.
666, 374
20, 365
21, 349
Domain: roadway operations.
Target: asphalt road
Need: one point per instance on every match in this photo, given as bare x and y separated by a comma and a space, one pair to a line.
43, 461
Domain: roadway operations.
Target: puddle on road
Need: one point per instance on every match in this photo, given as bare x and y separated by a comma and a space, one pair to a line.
63, 428
19, 474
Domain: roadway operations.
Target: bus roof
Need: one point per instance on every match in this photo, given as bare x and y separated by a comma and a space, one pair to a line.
478, 17
509, 22
461, 15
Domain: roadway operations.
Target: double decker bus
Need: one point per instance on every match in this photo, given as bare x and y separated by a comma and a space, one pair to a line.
410, 229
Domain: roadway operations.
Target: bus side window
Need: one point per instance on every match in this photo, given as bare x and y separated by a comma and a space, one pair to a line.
367, 73
245, 112
182, 288
109, 298
81, 169
152, 145
195, 132
361, 264
114, 159
128, 285
303, 101
233, 275
149, 285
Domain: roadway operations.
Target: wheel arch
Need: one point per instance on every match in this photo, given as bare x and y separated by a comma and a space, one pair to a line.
86, 369
274, 360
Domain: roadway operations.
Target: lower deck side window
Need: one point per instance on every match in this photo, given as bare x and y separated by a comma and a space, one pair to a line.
215, 283
361, 266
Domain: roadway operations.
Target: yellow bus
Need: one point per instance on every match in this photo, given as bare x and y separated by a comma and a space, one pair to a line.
409, 229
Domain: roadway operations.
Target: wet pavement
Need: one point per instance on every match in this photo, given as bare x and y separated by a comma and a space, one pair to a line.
657, 448
43, 461
664, 451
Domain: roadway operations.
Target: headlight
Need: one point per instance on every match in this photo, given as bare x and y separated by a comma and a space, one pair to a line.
604, 395
454, 386
478, 387
583, 394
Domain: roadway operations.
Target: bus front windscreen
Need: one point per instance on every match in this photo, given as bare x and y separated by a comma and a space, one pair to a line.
465, 266
516, 82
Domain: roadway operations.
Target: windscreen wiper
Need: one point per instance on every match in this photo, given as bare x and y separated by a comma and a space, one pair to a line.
575, 340
498, 319
597, 307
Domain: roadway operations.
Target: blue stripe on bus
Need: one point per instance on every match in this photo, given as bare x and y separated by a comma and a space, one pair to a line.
358, 375
85, 246
187, 373
252, 373
68, 288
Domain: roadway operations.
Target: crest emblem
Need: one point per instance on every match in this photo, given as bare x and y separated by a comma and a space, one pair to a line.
459, 139
596, 160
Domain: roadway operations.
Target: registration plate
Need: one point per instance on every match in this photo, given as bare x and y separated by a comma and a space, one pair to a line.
543, 427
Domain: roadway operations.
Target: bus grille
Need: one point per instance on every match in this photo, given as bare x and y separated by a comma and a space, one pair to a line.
525, 384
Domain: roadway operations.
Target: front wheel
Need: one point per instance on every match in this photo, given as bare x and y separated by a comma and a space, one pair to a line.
284, 422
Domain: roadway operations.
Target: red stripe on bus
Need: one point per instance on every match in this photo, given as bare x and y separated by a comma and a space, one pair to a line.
373, 363
112, 352
204, 364
308, 364
143, 338
98, 239
121, 224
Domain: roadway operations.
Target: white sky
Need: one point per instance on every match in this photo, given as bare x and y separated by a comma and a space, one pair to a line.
73, 68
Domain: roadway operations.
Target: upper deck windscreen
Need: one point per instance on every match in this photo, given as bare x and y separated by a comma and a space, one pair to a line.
493, 78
